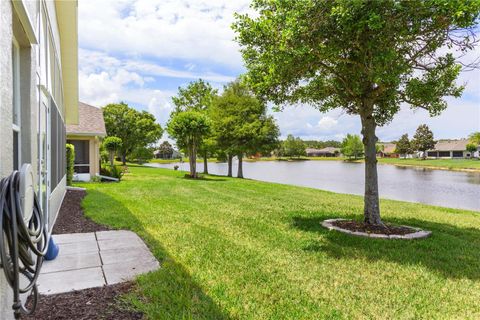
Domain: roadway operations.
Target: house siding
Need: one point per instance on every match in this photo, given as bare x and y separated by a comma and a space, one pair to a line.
32, 74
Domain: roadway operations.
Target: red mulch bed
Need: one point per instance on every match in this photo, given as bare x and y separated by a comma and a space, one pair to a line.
71, 219
88, 304
387, 229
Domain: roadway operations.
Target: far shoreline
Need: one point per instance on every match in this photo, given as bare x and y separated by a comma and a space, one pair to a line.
383, 161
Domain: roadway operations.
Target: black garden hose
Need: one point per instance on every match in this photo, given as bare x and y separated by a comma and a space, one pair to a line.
22, 245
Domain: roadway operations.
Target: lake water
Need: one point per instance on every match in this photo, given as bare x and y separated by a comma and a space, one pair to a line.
437, 187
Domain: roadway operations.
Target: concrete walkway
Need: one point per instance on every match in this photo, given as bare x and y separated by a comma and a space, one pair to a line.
88, 260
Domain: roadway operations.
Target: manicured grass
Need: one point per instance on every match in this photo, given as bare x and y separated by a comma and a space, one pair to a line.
242, 249
453, 164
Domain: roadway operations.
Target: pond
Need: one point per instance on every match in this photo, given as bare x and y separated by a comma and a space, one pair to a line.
436, 187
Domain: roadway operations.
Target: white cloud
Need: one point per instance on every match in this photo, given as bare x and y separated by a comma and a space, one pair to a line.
327, 123
191, 30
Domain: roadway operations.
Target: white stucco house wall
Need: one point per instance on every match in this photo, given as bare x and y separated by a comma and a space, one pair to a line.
38, 97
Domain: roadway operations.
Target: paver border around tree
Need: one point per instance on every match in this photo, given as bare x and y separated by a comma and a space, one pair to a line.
418, 234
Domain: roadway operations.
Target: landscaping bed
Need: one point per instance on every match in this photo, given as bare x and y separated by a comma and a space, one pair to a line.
71, 218
357, 226
88, 304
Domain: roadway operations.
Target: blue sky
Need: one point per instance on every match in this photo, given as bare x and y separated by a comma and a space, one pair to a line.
142, 51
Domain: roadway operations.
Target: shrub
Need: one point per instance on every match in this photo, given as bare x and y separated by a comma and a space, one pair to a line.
70, 154
112, 144
112, 171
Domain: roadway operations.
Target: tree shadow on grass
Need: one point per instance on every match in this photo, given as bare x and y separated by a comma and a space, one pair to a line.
450, 251
168, 293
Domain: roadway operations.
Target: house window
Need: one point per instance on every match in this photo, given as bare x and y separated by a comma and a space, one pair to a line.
432, 153
82, 156
458, 154
444, 153
16, 105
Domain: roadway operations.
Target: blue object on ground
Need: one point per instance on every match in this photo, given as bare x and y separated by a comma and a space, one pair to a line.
52, 251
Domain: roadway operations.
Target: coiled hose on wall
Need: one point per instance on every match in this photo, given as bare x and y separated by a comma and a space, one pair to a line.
22, 244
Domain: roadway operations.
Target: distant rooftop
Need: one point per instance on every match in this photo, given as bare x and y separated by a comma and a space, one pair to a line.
389, 147
451, 145
90, 122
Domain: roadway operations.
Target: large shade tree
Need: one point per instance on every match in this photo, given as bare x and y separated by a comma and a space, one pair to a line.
365, 56
136, 129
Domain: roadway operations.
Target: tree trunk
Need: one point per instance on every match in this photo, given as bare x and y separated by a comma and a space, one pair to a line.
230, 160
205, 163
371, 209
240, 166
111, 158
124, 159
192, 158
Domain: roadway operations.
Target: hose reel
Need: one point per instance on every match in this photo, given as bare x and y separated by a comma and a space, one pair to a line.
23, 237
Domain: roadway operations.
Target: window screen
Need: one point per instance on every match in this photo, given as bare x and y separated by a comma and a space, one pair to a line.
57, 146
432, 153
458, 154
444, 154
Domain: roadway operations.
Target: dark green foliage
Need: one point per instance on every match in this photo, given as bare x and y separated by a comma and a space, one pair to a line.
423, 139
198, 96
165, 150
142, 154
241, 123
403, 145
471, 147
322, 144
189, 128
137, 129
112, 144
352, 146
70, 154
293, 147
112, 171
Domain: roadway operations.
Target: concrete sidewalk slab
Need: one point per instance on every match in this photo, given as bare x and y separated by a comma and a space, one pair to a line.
79, 247
121, 255
74, 237
97, 259
65, 281
66, 262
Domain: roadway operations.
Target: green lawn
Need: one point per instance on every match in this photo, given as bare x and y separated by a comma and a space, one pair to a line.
453, 164
242, 249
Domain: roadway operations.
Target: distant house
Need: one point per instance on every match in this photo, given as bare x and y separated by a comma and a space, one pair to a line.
85, 137
157, 154
453, 149
325, 152
388, 151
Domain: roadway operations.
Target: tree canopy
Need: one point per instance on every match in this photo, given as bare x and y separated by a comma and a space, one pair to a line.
136, 129
241, 124
423, 139
367, 57
112, 144
352, 146
293, 147
403, 145
197, 95
189, 128
165, 150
